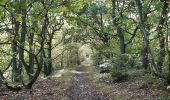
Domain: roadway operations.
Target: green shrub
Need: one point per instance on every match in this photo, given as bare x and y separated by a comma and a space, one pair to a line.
120, 66
126, 62
120, 61
118, 75
152, 79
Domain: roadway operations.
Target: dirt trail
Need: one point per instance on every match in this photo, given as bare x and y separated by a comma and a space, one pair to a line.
79, 84
81, 88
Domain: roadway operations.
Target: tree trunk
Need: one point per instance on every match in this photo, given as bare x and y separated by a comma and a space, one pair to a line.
168, 67
49, 62
22, 42
145, 60
161, 23
121, 40
31, 57
119, 32
43, 37
14, 50
14, 62
43, 61
168, 51
145, 34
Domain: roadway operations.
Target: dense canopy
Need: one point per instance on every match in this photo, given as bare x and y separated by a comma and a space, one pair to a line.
117, 39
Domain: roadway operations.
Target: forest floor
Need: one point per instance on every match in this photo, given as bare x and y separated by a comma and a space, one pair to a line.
82, 83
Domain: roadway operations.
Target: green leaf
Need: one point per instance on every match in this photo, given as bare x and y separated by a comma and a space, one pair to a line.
18, 17
2, 2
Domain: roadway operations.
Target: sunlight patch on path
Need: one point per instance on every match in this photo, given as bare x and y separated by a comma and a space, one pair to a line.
57, 74
78, 72
60, 73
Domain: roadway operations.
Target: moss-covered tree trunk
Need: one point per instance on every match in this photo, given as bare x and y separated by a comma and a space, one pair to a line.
14, 50
161, 34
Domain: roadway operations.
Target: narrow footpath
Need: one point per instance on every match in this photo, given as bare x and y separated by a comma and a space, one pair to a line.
82, 89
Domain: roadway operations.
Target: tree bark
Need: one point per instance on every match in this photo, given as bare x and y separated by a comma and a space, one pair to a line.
118, 28
161, 36
121, 41
145, 48
22, 43
31, 57
145, 59
49, 63
14, 49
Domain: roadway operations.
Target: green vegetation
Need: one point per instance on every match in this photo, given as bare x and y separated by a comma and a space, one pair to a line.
123, 38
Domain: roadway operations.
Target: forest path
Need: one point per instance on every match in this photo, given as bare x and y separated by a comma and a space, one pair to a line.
81, 83
81, 87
